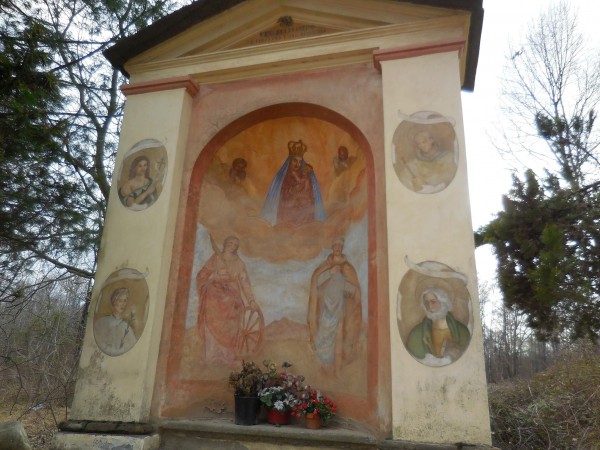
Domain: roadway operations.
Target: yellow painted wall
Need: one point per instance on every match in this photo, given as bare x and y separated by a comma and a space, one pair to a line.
432, 404
120, 387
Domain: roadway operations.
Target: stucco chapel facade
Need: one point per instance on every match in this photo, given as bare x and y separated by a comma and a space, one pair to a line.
290, 185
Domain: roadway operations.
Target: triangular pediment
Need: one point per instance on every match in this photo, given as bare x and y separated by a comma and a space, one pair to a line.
225, 40
285, 29
262, 22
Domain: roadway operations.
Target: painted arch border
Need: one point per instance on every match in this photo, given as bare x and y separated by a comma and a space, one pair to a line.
281, 110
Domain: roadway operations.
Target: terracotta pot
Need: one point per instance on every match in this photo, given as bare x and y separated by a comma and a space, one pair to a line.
313, 421
278, 417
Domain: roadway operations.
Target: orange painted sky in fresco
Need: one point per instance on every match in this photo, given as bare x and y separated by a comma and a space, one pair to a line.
265, 147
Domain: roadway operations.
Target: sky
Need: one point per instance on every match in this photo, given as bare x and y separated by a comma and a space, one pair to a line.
489, 174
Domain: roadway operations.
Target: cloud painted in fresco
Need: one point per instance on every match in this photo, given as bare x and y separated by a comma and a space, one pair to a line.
227, 208
281, 259
281, 289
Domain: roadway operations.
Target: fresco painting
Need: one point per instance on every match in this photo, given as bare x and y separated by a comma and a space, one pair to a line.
281, 257
121, 311
225, 298
142, 174
425, 152
294, 197
434, 313
335, 310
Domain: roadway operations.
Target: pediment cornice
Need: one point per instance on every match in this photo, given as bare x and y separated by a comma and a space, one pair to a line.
261, 37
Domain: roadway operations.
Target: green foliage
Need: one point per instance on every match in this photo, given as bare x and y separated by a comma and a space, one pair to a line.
569, 139
60, 110
28, 92
546, 243
547, 237
30, 139
559, 408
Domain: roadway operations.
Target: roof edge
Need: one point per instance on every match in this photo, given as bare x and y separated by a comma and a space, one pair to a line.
165, 28
177, 22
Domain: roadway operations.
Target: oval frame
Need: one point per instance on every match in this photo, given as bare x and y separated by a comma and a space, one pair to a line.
135, 193
425, 152
412, 318
117, 335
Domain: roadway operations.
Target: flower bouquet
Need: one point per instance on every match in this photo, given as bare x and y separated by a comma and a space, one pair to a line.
278, 398
280, 395
313, 404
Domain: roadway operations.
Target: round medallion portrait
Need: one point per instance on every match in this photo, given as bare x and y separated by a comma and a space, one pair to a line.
425, 152
434, 313
121, 311
142, 174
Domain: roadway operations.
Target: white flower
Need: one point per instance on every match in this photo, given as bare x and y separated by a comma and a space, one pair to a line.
278, 405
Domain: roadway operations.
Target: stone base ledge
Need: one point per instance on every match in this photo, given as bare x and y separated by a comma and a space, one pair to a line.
217, 434
92, 441
223, 434
93, 426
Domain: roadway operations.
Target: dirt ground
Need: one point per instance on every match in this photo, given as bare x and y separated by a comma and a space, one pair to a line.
40, 424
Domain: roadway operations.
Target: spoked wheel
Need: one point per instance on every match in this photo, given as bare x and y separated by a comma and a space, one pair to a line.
252, 331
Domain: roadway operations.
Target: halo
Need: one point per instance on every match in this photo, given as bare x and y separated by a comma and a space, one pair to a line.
439, 126
435, 269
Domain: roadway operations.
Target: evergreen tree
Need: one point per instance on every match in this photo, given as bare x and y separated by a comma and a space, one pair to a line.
547, 238
548, 258
60, 110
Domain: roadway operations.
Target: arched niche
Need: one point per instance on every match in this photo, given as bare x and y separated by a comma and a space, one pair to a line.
279, 262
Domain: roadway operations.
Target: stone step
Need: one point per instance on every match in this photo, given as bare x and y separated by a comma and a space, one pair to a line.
223, 434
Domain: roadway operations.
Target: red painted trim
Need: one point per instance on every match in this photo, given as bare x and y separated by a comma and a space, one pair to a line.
412, 51
143, 87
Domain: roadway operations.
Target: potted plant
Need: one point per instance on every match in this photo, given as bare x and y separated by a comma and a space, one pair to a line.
246, 384
315, 407
280, 394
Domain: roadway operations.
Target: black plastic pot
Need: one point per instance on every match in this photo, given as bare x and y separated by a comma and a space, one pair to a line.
246, 410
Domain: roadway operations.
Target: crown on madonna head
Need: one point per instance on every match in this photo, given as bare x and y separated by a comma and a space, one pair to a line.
297, 148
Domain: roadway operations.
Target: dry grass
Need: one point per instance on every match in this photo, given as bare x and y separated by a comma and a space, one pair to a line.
556, 409
40, 424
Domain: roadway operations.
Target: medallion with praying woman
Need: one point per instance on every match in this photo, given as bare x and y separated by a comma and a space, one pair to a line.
142, 174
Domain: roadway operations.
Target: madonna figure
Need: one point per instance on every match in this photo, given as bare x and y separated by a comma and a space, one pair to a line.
294, 197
